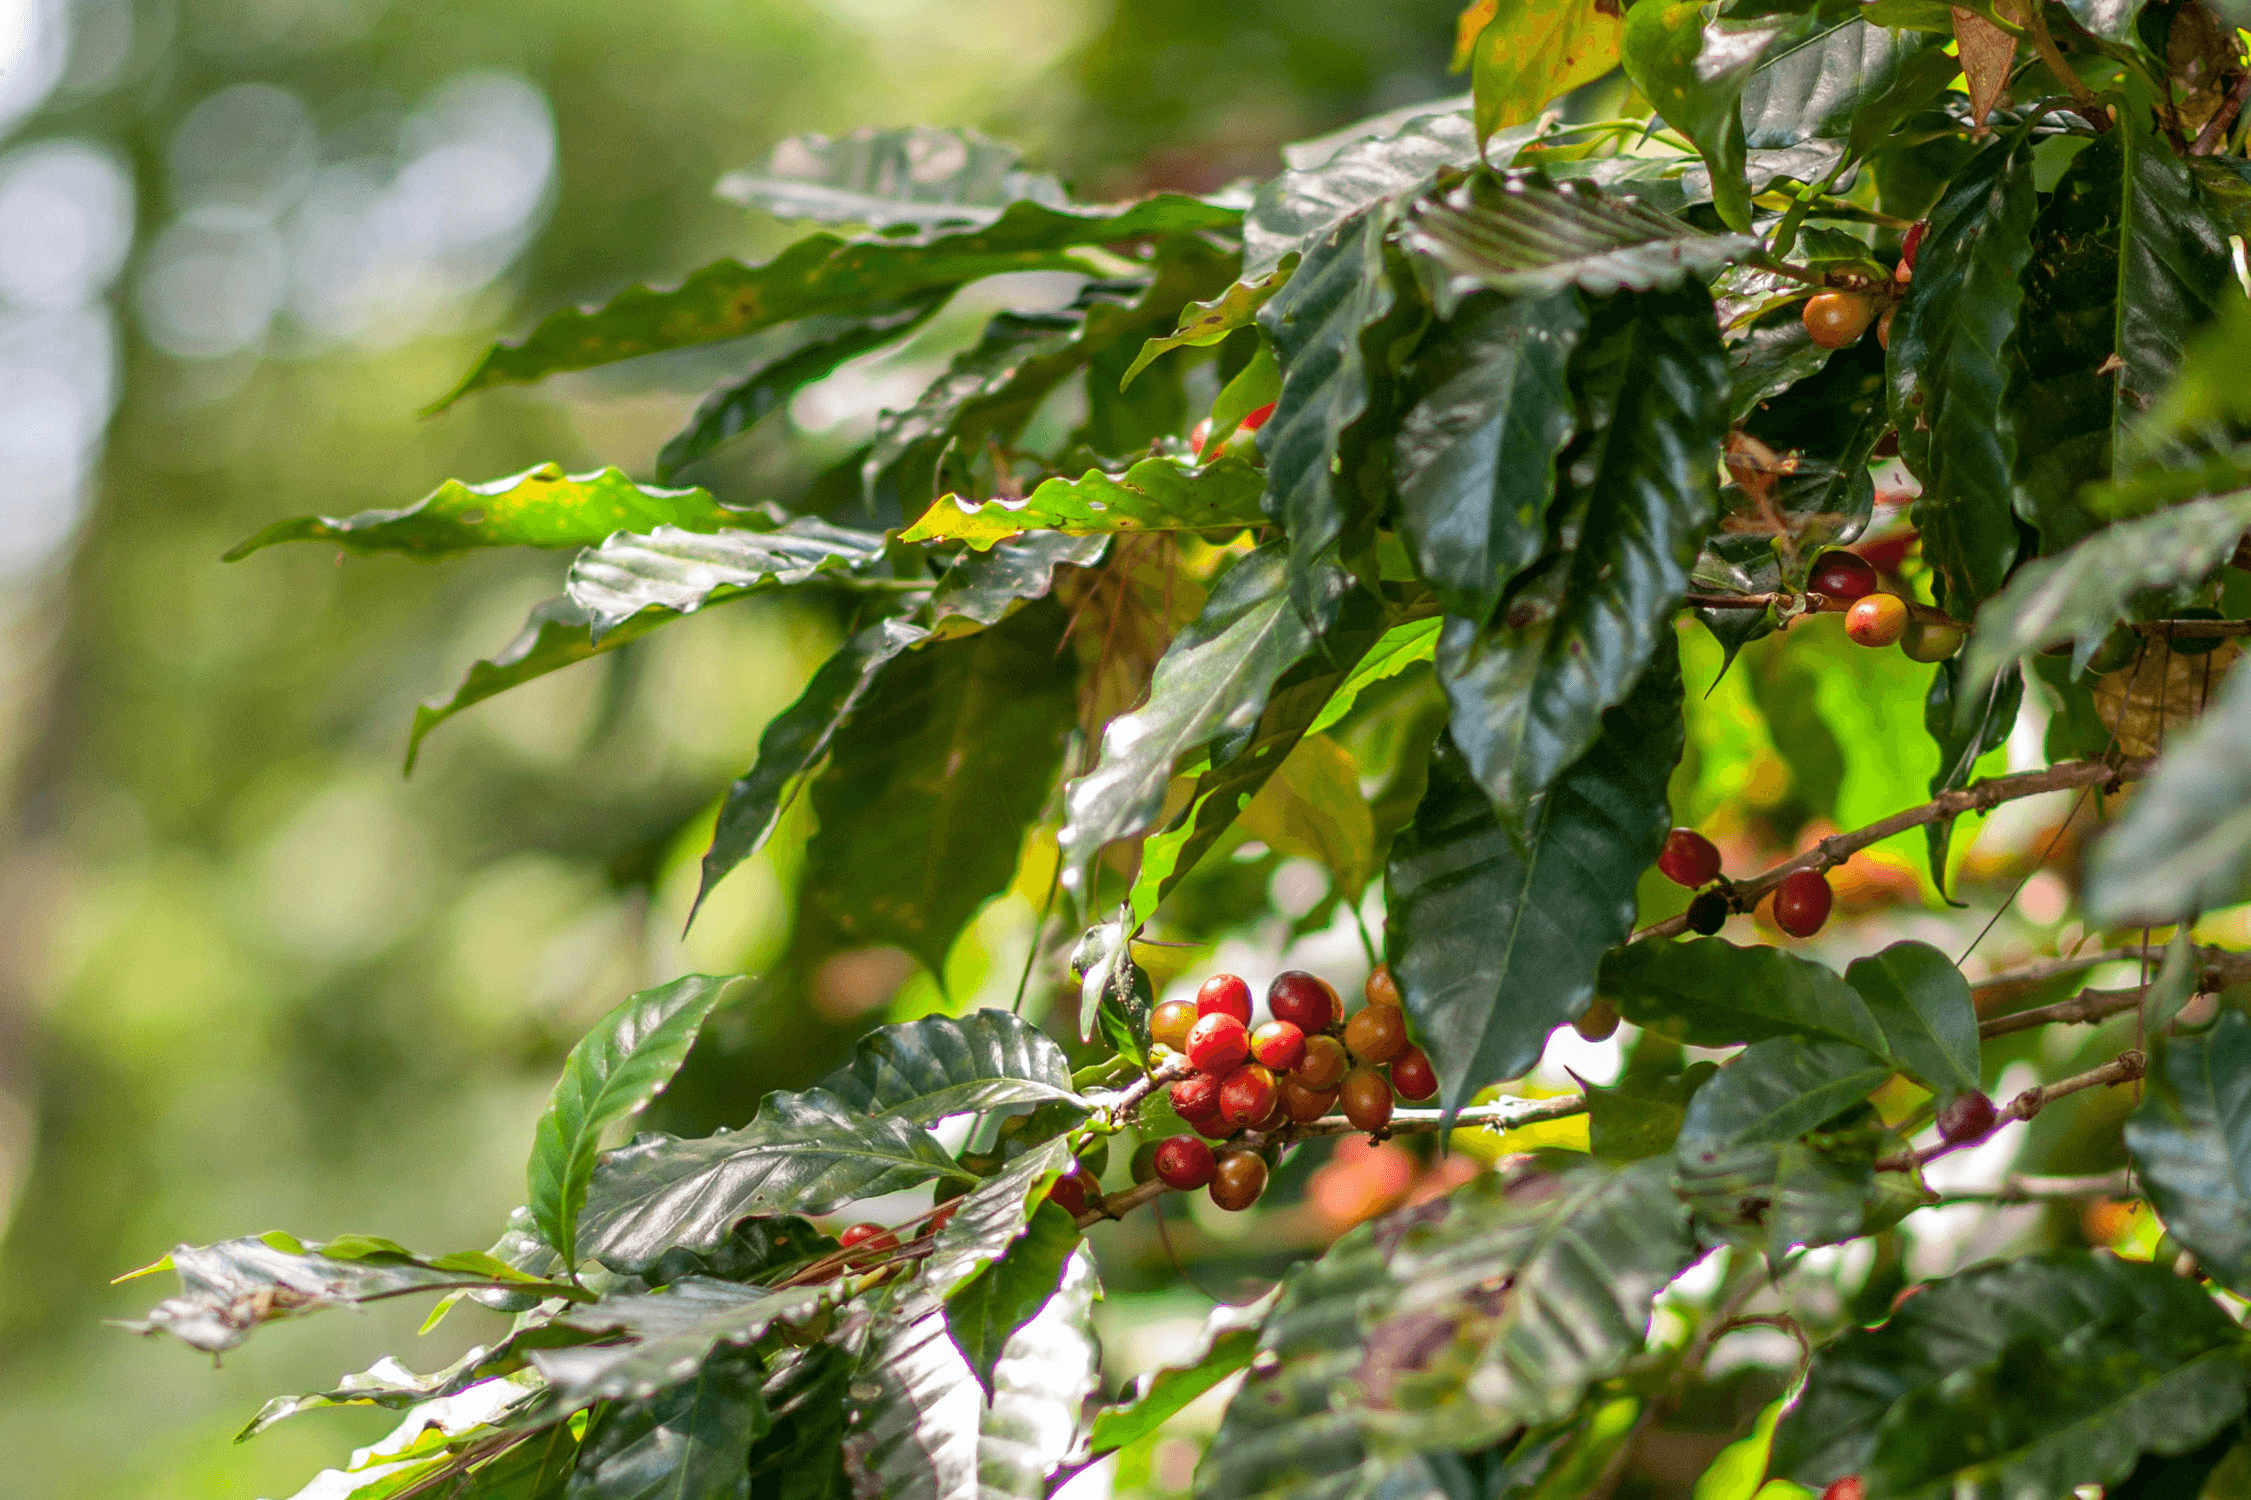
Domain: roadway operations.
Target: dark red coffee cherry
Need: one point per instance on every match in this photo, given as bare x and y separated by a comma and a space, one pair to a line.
1367, 1099
1968, 1116
1238, 1178
1184, 1162
1689, 859
1073, 1191
1303, 1000
1708, 913
1218, 1044
1413, 1076
1279, 1045
1842, 575
1224, 995
1196, 1097
1802, 902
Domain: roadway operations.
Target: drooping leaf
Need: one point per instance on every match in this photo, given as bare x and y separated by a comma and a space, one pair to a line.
1641, 1114
985, 1312
2191, 1146
1397, 650
992, 1217
1710, 993
1494, 942
808, 1397
2080, 594
229, 1288
734, 409
1988, 53
1842, 78
1923, 1004
1206, 323
1531, 51
541, 507
1965, 722
1635, 493
469, 1446
1295, 209
387, 1383
984, 586
656, 1340
1476, 454
797, 741
1316, 325
680, 572
2129, 260
1693, 72
1206, 697
803, 1153
934, 779
925, 1070
1450, 1325
1948, 370
914, 174
1774, 1091
1229, 1339
615, 1069
691, 1443
2183, 845
1521, 236
821, 274
1154, 494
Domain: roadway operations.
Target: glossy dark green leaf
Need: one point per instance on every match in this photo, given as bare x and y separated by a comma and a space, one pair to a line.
2112, 20
2183, 845
1476, 454
615, 1069
1633, 499
983, 586
1521, 236
1298, 207
2191, 1145
680, 572
925, 1430
733, 410
1948, 369
1450, 1325
758, 1251
541, 507
992, 1217
1003, 1295
1693, 72
2080, 594
1710, 993
655, 1340
1316, 326
914, 174
925, 1070
2129, 260
803, 1153
1229, 1339
797, 741
934, 779
1840, 78
692, 1443
1775, 1091
821, 274
1206, 698
1154, 494
1641, 1114
807, 1395
1965, 721
227, 1289
1496, 942
1923, 1004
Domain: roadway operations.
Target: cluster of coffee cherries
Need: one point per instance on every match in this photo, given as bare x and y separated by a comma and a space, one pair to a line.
1801, 901
1294, 1068
1879, 619
1841, 315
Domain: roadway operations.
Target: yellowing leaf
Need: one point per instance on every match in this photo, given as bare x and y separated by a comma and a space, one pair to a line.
1474, 18
1156, 494
1534, 50
1313, 807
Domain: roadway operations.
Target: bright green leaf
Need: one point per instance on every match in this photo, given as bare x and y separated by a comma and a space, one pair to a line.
1923, 1004
1156, 494
1001, 1296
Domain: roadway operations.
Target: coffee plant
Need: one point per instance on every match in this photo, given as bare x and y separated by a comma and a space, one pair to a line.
1365, 515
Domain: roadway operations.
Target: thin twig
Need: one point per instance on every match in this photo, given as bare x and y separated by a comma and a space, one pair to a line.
2126, 1067
1978, 796
2040, 971
2221, 969
2191, 629
2215, 129
2082, 97
2020, 1188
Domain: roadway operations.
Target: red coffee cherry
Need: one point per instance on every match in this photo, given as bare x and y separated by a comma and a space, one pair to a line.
1413, 1076
1324, 1064
1377, 1034
873, 1241
1196, 1097
1367, 1100
1849, 1487
1689, 859
1911, 242
1968, 1116
1842, 575
943, 1217
1878, 620
1598, 1024
1237, 1180
1381, 988
1303, 1000
1834, 319
1306, 1104
1218, 1044
1169, 1024
1184, 1162
1246, 1096
1224, 995
1802, 902
1279, 1045
1073, 1191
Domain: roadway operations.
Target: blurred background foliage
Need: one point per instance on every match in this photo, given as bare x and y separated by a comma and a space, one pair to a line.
251, 977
